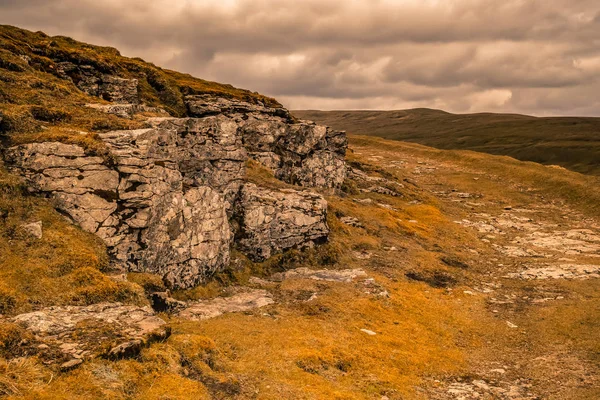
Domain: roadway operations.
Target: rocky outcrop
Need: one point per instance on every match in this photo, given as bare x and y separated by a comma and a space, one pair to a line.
272, 221
299, 152
96, 83
205, 105
164, 201
302, 153
81, 186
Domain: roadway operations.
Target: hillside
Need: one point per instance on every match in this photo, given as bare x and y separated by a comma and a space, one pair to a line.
571, 142
215, 247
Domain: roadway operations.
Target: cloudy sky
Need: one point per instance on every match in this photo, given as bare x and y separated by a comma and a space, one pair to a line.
530, 56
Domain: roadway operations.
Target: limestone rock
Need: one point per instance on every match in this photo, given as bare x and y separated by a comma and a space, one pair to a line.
164, 202
96, 83
344, 275
34, 229
118, 90
127, 110
352, 221
561, 271
87, 332
302, 153
81, 186
240, 302
205, 105
188, 237
272, 221
69, 365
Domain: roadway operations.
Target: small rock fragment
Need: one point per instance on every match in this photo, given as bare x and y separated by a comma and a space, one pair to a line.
69, 365
34, 229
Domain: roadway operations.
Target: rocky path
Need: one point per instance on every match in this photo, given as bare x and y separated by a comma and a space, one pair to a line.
534, 254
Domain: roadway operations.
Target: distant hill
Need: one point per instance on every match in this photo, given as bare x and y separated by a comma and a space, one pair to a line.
571, 142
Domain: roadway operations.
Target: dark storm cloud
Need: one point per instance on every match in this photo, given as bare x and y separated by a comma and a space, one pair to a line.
532, 56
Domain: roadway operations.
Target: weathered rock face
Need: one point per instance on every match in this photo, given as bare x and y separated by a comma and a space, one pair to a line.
95, 83
303, 153
164, 202
272, 221
81, 186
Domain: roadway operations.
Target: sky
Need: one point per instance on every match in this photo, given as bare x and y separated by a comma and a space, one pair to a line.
539, 57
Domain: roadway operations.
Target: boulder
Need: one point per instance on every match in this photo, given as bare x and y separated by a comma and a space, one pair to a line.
303, 153
272, 221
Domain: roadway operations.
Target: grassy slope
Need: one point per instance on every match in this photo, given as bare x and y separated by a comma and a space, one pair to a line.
36, 104
571, 142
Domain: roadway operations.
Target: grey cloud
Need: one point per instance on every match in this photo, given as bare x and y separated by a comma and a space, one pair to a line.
536, 56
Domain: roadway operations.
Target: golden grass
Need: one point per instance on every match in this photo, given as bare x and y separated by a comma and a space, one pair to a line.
323, 353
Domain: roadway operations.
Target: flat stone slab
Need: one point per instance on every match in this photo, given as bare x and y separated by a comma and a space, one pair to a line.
101, 330
240, 302
563, 271
344, 275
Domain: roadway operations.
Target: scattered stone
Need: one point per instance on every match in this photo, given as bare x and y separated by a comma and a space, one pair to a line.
382, 190
362, 255
344, 275
363, 201
162, 302
511, 325
69, 365
562, 271
34, 229
245, 301
368, 332
352, 221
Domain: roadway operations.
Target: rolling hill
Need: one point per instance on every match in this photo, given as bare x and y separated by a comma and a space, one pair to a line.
571, 142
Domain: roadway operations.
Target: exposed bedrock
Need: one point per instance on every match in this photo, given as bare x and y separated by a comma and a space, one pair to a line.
164, 201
